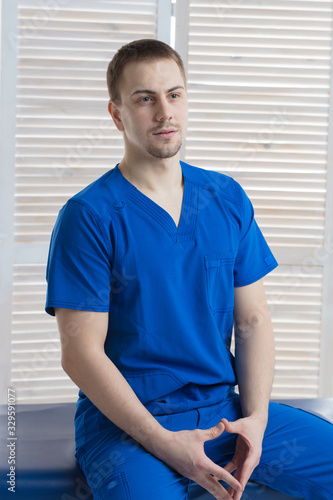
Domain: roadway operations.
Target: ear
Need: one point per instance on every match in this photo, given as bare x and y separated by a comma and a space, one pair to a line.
114, 111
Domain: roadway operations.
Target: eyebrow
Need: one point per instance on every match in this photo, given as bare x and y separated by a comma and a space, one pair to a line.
147, 91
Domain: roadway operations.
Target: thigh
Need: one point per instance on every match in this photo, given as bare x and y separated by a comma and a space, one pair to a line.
118, 468
297, 450
297, 454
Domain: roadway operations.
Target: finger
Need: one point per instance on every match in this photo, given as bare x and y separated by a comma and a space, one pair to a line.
231, 491
243, 474
232, 427
214, 432
212, 485
236, 495
230, 467
222, 475
244, 477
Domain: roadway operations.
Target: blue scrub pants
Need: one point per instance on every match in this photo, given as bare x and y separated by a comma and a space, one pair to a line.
296, 458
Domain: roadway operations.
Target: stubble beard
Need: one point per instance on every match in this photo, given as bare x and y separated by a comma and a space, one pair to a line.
164, 152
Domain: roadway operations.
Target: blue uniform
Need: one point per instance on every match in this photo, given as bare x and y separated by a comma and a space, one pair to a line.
168, 291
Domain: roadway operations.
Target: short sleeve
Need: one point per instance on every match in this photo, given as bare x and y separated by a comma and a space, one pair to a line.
254, 258
78, 271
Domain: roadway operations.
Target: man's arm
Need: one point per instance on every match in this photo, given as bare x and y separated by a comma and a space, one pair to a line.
83, 335
254, 349
254, 356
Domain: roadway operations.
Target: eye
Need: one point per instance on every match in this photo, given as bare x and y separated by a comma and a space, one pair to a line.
174, 96
145, 99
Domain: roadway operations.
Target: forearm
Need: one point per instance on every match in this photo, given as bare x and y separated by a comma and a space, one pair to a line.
254, 349
110, 392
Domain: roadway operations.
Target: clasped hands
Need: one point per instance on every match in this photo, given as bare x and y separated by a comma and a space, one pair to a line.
184, 452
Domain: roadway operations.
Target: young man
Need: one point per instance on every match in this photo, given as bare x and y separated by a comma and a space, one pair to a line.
149, 269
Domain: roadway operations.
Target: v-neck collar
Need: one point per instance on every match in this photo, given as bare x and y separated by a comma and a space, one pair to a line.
188, 216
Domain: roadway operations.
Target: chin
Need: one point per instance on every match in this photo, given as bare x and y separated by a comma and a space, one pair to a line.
163, 153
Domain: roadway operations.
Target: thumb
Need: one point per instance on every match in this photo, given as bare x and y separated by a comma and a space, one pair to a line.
232, 427
214, 432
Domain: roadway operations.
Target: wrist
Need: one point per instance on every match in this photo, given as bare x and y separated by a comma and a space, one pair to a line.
158, 441
153, 437
256, 412
261, 417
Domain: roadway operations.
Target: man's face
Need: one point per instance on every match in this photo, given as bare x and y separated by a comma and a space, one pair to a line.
153, 109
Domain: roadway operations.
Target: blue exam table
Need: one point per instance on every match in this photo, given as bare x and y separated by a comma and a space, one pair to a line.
46, 468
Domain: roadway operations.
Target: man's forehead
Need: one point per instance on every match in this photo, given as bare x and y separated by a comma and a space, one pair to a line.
154, 75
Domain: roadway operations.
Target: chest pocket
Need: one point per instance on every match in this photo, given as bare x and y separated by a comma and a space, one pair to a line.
220, 281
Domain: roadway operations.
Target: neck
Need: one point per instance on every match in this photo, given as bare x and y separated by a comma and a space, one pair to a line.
158, 176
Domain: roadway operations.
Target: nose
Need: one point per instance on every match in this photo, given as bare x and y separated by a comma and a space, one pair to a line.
163, 110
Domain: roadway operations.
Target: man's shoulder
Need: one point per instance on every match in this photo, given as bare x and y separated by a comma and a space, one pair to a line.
102, 194
211, 180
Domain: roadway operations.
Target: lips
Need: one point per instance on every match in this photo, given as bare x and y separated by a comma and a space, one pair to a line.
165, 132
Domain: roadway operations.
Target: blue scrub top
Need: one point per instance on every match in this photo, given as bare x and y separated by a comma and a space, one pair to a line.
169, 291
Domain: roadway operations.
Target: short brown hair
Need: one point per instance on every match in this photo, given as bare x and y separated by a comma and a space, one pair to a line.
139, 50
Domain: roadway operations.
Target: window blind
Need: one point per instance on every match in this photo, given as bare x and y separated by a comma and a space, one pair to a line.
65, 139
259, 92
